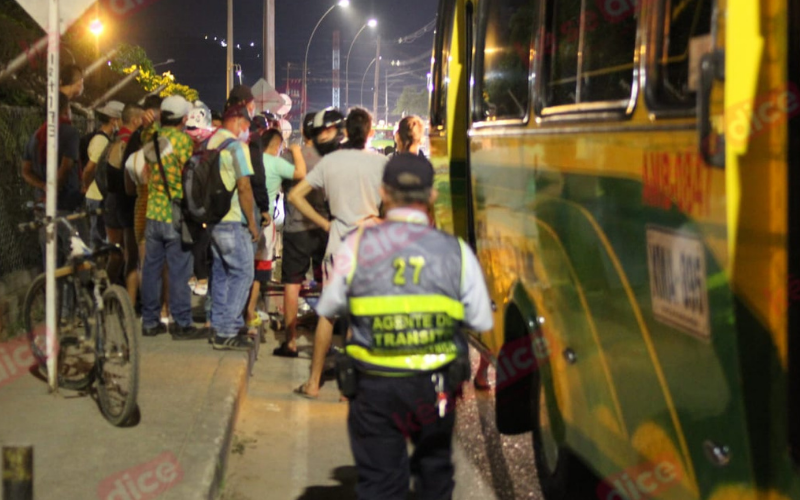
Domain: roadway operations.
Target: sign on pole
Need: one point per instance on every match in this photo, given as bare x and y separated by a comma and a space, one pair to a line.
266, 97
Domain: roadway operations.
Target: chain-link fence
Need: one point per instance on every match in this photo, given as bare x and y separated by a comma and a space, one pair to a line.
18, 250
20, 253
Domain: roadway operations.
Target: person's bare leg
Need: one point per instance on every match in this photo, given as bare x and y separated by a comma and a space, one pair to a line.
131, 259
116, 261
251, 305
482, 375
322, 344
291, 294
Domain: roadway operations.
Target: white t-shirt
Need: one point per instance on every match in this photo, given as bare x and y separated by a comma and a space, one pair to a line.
350, 178
96, 147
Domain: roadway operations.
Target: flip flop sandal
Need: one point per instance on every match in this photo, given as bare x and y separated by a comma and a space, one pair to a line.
301, 391
284, 351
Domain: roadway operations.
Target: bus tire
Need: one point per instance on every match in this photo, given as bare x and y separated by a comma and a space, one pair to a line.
513, 391
566, 477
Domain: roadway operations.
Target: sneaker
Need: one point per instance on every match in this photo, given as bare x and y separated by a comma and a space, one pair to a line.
201, 288
235, 343
189, 333
157, 330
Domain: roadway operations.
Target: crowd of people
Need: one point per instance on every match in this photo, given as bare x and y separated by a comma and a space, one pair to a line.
132, 166
190, 196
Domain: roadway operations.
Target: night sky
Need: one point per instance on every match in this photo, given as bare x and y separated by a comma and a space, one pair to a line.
176, 29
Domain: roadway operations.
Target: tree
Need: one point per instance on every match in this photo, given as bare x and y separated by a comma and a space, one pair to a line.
412, 101
130, 57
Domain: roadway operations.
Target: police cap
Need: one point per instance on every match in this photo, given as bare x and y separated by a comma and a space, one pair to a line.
408, 172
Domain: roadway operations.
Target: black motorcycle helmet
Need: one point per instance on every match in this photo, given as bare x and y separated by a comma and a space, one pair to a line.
325, 119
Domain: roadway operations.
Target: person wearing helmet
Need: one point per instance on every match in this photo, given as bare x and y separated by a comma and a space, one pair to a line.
200, 129
351, 178
327, 129
303, 243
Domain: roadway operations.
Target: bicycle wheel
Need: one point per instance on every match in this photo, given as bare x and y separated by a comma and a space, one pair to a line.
76, 357
118, 356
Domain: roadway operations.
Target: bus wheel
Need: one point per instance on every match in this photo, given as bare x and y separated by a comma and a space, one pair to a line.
562, 475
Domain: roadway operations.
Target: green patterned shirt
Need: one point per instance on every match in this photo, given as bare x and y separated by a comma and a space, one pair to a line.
159, 206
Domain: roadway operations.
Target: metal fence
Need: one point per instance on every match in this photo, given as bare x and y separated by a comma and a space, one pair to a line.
18, 250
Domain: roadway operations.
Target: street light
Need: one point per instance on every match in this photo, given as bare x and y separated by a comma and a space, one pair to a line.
168, 61
364, 78
96, 27
341, 3
372, 23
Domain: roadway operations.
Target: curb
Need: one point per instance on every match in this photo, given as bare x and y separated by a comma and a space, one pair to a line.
213, 428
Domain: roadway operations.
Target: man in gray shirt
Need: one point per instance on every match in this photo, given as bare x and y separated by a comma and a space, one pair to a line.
351, 178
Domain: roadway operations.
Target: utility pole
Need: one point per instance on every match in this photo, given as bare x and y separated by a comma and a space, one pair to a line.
336, 101
386, 84
377, 80
229, 67
269, 42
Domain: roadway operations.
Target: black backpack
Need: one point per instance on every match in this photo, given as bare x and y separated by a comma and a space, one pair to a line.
206, 200
101, 170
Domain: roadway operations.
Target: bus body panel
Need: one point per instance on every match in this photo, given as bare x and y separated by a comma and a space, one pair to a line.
665, 276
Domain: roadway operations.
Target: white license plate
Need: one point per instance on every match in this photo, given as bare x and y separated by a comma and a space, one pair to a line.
678, 291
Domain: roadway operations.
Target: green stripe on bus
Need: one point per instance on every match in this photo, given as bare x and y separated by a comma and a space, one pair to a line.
406, 304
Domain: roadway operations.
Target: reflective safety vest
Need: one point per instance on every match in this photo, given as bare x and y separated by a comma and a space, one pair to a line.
404, 288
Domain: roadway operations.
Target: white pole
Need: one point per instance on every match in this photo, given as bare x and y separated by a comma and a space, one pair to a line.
229, 64
54, 39
377, 90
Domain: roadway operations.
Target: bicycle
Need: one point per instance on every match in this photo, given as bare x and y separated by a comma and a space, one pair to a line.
97, 328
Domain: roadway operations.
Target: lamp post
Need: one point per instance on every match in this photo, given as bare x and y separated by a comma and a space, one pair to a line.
371, 23
341, 3
364, 78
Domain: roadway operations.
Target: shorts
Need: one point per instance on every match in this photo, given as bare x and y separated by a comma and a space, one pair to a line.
265, 253
301, 249
119, 210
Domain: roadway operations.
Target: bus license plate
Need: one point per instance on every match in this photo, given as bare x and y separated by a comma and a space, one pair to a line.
677, 266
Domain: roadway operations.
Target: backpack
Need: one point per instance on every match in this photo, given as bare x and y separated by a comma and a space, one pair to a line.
101, 170
83, 145
206, 200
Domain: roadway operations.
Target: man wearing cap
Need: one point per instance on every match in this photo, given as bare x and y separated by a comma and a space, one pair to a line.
109, 116
241, 94
167, 149
232, 238
409, 290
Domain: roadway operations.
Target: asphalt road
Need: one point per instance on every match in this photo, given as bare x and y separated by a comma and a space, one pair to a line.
288, 447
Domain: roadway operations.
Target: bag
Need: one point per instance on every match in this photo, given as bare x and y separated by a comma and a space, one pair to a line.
178, 220
206, 199
106, 180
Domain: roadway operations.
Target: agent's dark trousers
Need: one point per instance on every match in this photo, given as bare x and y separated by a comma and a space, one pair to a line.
385, 412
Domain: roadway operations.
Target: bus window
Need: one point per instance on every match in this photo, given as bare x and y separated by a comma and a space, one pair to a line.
587, 52
682, 34
504, 57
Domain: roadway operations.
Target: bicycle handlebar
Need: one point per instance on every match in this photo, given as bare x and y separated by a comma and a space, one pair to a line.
34, 225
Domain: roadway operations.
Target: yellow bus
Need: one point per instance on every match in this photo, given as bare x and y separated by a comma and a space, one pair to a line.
624, 171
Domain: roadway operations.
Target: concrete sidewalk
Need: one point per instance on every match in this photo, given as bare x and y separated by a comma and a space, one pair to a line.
189, 397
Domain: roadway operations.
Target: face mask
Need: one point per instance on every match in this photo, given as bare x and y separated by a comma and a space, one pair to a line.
324, 148
244, 135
